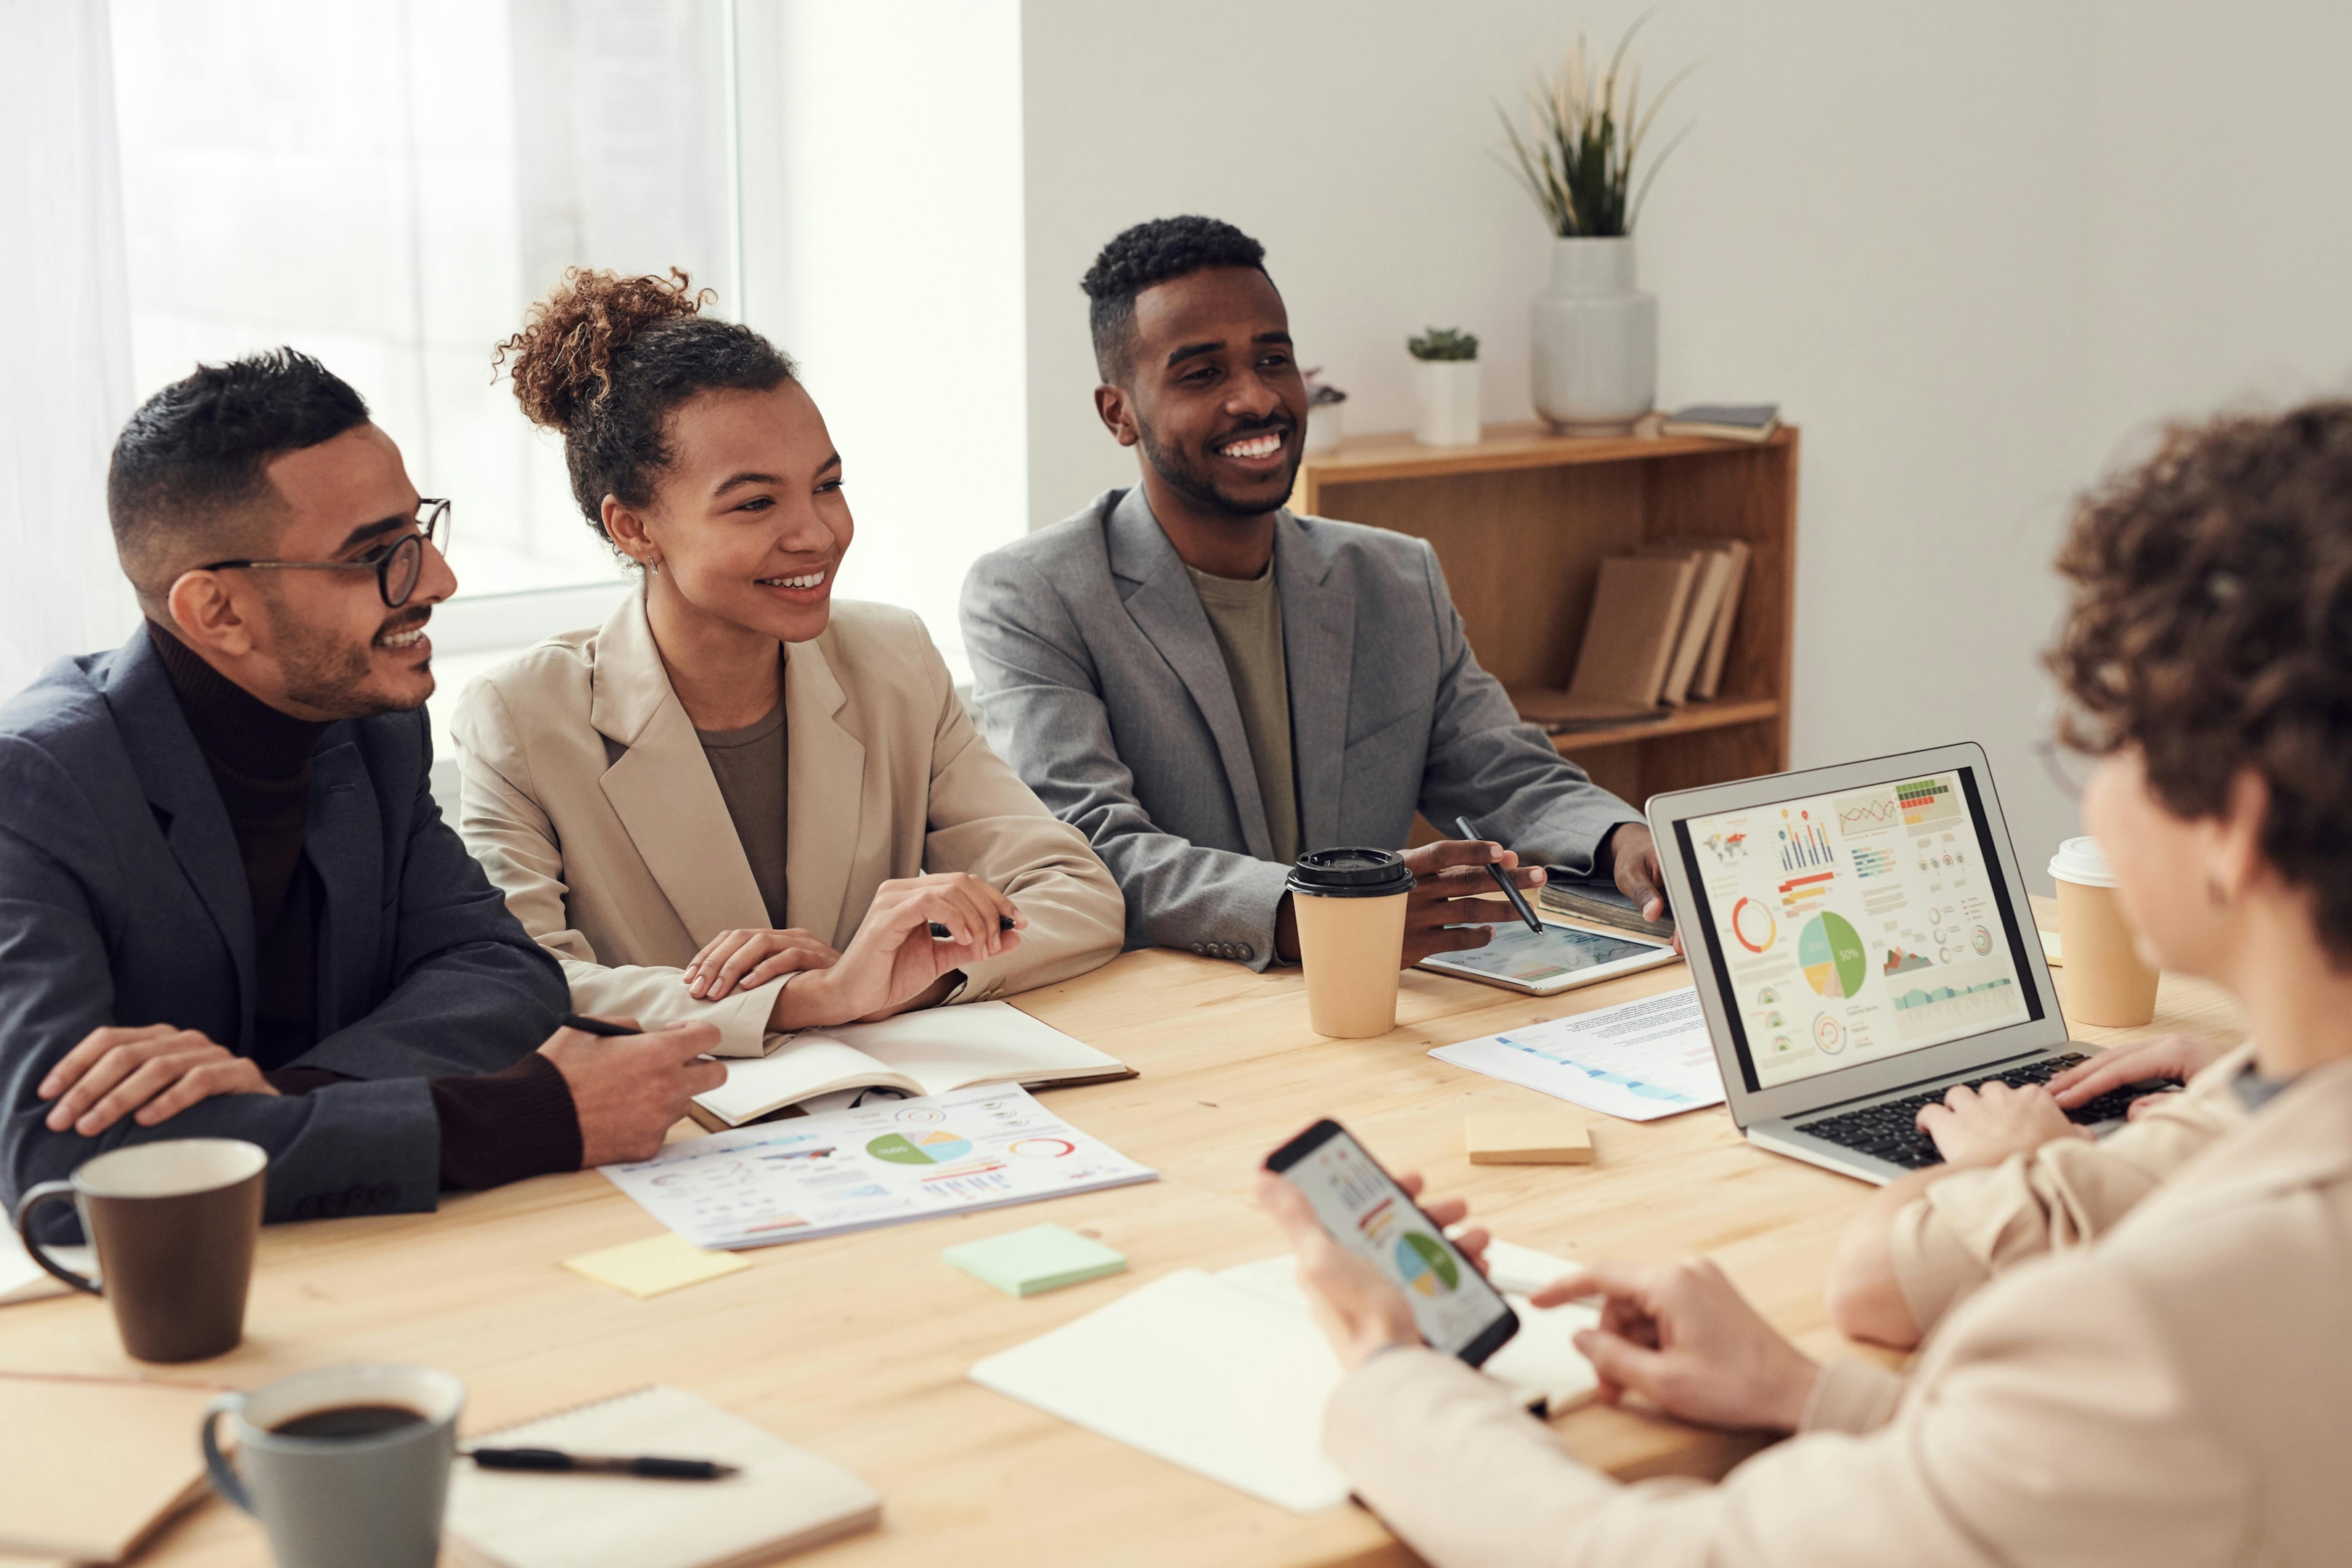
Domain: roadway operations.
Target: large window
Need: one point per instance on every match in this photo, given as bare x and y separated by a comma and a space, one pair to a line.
388, 185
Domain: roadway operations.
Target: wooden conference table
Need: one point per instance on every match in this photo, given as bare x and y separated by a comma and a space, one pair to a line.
856, 1347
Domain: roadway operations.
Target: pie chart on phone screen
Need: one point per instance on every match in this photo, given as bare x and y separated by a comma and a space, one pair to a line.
1424, 1265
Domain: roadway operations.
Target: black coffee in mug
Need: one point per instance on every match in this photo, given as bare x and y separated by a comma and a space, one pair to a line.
349, 1421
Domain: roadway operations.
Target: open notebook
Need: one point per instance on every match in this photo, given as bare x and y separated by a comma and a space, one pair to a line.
934, 1051
786, 1499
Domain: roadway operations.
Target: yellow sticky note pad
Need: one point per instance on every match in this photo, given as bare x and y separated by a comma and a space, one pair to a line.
658, 1263
1527, 1138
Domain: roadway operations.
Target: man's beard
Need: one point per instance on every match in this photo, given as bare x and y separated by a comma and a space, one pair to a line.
324, 673
1179, 472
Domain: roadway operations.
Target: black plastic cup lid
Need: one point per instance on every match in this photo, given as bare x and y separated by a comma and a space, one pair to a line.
1351, 874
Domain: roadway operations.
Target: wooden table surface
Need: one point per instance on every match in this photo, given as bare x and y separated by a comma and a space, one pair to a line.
856, 1347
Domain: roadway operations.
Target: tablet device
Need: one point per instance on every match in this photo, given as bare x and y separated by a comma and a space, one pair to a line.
1559, 958
1365, 1211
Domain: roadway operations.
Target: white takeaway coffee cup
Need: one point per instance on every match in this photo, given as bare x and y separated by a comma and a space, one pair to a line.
2107, 982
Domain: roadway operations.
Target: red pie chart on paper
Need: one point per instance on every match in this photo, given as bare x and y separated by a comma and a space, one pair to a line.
1044, 1148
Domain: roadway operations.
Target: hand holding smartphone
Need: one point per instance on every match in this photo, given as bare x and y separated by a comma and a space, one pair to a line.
1363, 1209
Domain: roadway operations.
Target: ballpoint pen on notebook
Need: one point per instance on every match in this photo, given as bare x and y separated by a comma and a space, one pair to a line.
1502, 878
557, 1461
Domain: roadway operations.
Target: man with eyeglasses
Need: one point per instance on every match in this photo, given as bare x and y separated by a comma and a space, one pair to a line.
228, 906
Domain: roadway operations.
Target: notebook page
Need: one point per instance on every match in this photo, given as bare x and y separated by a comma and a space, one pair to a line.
785, 1498
945, 1048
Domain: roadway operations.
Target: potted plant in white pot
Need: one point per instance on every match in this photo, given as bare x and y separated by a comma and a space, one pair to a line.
1445, 379
1594, 350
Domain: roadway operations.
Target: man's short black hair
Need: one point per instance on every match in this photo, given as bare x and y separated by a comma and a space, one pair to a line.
187, 484
1152, 252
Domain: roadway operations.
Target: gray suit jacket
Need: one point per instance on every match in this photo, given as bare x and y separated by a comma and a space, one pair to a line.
1101, 683
123, 900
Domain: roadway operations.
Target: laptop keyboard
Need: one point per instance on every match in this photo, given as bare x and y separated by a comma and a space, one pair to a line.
1890, 1129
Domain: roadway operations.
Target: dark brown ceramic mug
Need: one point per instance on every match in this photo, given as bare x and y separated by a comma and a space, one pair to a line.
172, 1226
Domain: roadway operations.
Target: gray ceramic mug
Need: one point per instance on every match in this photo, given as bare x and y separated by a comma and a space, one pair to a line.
372, 1497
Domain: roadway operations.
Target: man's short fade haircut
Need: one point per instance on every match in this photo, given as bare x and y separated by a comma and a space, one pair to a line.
187, 483
1147, 254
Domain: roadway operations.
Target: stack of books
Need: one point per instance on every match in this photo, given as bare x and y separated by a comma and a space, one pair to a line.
1659, 631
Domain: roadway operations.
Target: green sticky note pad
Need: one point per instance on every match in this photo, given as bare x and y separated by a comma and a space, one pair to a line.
1030, 1262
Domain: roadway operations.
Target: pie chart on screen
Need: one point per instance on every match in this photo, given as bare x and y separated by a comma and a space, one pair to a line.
1421, 1262
1829, 950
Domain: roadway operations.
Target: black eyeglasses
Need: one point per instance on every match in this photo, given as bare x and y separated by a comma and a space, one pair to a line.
397, 565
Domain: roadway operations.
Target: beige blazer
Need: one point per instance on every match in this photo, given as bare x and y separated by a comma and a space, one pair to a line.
625, 867
2178, 1392
1960, 1232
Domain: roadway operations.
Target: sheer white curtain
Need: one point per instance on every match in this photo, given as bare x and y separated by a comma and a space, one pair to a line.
67, 387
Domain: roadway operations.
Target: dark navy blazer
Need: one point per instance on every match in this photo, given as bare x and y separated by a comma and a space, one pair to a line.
123, 901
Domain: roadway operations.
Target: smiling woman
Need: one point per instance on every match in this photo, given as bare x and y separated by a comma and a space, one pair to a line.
738, 800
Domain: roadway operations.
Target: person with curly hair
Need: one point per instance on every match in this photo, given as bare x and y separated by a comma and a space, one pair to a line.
739, 801
1207, 684
229, 906
2174, 1389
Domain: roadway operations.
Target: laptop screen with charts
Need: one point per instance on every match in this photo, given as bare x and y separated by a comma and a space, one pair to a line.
1852, 921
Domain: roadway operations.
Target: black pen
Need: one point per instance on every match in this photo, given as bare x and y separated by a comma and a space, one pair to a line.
555, 1459
1502, 878
940, 932
587, 1026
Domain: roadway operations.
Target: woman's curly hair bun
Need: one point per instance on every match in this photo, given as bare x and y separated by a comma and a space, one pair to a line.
563, 355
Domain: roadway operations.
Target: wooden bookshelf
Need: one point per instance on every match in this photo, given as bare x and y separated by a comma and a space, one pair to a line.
1520, 522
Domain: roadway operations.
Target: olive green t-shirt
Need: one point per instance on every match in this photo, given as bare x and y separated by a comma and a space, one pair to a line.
1246, 616
751, 766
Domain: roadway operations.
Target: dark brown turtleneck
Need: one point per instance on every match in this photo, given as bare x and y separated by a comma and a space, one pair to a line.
495, 1129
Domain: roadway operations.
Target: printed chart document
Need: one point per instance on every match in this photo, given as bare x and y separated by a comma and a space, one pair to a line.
878, 1165
1638, 1061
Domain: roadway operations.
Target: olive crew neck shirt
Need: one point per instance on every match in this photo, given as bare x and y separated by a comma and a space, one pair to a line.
751, 765
1246, 616
495, 1128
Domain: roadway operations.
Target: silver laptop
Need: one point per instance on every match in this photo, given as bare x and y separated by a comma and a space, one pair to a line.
1860, 942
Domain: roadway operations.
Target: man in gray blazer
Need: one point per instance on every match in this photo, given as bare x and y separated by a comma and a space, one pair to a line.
228, 906
1208, 685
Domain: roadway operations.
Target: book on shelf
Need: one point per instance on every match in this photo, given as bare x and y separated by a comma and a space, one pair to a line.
1755, 422
1630, 639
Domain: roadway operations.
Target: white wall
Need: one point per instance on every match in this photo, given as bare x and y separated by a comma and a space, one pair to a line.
1968, 249
883, 250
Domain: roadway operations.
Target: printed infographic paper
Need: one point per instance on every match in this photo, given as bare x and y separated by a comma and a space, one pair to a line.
885, 1163
1857, 926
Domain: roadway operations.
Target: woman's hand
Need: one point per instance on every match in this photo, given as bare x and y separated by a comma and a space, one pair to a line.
894, 959
745, 960
1985, 1126
1359, 1312
2174, 1057
1682, 1338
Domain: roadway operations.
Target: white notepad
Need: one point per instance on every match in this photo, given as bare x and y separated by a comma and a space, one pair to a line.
1198, 1372
1227, 1375
786, 1499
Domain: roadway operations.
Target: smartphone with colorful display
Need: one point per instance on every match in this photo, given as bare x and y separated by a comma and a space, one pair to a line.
1366, 1212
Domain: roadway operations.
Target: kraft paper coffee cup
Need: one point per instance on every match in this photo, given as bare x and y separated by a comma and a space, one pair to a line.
1349, 904
2107, 982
